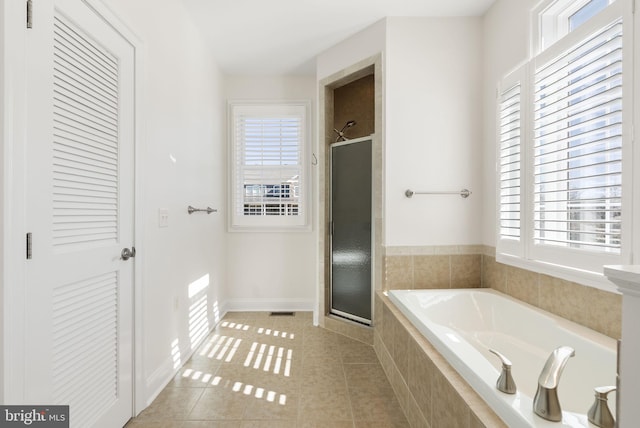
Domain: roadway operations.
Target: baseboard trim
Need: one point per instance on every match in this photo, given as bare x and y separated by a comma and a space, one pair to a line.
160, 378
234, 305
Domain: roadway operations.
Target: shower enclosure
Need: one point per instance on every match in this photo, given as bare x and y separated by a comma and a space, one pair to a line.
351, 229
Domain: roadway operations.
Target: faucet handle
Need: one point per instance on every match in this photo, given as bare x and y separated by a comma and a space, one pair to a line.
599, 413
505, 382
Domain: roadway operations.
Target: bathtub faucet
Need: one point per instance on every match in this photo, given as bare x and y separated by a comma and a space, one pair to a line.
546, 403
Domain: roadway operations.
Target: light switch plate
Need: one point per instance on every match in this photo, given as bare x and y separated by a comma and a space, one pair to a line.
163, 217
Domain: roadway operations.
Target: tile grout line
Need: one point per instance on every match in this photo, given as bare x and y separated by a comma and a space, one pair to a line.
346, 382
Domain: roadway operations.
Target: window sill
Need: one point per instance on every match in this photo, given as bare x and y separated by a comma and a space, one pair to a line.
269, 229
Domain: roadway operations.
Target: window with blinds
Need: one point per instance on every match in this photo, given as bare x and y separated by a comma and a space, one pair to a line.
578, 145
268, 169
564, 162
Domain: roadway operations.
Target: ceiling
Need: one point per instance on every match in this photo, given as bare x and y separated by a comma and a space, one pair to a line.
275, 37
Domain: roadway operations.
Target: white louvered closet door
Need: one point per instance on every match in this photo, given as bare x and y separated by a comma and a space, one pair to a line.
80, 154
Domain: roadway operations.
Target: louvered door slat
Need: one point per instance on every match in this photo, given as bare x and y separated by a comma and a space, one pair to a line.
76, 305
82, 55
78, 118
81, 41
74, 78
101, 164
67, 88
94, 208
80, 198
79, 182
81, 137
66, 362
68, 170
70, 196
84, 136
84, 213
79, 112
87, 153
98, 233
85, 332
88, 229
80, 219
90, 406
86, 407
84, 239
66, 226
85, 62
102, 385
85, 146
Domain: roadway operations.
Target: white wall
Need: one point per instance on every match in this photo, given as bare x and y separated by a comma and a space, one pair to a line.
181, 163
433, 130
272, 270
368, 42
506, 29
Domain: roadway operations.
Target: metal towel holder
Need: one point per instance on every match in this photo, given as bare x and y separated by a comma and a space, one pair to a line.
207, 210
464, 193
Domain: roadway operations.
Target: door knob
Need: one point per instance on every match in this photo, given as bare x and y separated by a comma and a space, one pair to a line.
126, 253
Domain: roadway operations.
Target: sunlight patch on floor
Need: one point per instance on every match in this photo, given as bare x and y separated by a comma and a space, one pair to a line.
175, 354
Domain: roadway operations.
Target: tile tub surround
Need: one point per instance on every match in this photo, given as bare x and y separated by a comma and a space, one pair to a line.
431, 393
596, 309
433, 271
476, 266
236, 379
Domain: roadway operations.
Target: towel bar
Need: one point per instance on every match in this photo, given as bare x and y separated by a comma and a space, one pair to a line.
464, 193
207, 210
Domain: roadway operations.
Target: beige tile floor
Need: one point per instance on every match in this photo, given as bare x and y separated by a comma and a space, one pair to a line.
261, 371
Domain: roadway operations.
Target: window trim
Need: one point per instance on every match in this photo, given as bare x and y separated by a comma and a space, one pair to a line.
523, 253
555, 14
299, 223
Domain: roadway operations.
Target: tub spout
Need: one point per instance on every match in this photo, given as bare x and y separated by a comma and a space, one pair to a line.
546, 403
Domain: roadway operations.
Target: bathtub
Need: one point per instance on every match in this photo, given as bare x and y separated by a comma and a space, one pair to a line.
464, 324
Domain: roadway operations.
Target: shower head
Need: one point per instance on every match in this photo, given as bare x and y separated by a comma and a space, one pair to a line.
340, 133
349, 124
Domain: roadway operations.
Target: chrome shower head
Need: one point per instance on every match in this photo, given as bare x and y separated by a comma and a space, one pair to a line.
340, 133
349, 124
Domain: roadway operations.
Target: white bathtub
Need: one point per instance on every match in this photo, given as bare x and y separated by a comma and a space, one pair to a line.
464, 324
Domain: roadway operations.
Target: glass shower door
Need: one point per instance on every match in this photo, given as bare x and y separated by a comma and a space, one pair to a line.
351, 233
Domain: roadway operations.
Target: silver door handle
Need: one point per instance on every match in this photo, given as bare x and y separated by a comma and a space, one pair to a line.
126, 253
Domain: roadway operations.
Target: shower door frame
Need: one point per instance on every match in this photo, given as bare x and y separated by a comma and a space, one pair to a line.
332, 311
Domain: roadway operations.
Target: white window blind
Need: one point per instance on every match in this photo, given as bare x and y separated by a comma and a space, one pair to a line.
510, 162
268, 168
578, 145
